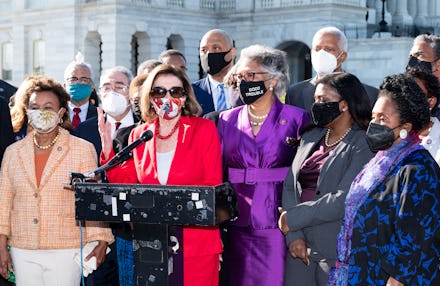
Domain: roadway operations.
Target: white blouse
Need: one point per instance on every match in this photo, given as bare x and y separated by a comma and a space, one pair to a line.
164, 161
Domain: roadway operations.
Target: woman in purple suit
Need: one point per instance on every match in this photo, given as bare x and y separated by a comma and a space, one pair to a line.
259, 142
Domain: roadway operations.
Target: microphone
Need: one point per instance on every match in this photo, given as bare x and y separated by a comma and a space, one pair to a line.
122, 155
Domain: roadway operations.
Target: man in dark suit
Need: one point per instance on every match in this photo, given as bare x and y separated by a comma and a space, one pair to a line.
6, 133
329, 51
6, 90
79, 84
217, 54
7, 136
114, 95
425, 55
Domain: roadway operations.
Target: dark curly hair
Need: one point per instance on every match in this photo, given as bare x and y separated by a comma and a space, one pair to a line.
38, 83
353, 92
410, 100
430, 82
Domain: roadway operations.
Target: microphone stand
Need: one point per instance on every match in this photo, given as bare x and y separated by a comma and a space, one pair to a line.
118, 159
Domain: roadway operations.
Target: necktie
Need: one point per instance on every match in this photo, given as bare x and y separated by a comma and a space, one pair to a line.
117, 125
221, 100
76, 120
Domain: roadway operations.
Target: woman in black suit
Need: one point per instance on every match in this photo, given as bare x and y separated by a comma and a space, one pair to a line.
328, 158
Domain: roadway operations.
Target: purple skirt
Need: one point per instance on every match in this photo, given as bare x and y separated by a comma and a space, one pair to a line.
254, 257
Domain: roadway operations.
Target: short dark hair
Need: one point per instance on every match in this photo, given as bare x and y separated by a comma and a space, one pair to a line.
169, 53
38, 83
147, 66
430, 82
409, 98
350, 88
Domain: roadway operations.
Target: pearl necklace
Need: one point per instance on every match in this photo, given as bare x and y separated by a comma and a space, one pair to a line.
50, 144
327, 135
165, 137
256, 116
255, 123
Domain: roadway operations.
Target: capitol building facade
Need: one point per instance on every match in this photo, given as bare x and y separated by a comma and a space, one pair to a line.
42, 37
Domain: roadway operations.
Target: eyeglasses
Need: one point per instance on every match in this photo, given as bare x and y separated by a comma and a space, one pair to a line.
249, 76
117, 88
81, 80
160, 92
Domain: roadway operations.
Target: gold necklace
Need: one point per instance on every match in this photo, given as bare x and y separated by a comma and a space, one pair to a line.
327, 135
50, 144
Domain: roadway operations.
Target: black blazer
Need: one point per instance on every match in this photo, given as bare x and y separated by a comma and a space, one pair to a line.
91, 111
6, 133
202, 90
6, 90
88, 130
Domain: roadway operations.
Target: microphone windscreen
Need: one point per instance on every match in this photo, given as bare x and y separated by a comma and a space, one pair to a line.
147, 135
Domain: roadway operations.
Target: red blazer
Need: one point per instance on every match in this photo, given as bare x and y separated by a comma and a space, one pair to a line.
197, 161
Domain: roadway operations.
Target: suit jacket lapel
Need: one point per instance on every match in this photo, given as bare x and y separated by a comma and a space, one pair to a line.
208, 88
305, 151
91, 111
26, 156
332, 157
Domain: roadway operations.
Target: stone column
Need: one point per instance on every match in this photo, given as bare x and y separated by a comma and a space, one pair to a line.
401, 16
421, 16
19, 70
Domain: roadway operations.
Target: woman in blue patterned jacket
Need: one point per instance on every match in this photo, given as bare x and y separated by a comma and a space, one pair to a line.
391, 227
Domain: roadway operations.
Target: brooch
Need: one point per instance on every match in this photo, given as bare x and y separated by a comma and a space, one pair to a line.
292, 142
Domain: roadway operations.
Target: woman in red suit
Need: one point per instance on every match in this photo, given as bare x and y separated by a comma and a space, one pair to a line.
185, 150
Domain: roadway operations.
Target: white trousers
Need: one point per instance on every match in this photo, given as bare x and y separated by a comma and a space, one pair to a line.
45, 267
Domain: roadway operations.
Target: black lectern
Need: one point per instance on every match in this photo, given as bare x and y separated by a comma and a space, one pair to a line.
158, 212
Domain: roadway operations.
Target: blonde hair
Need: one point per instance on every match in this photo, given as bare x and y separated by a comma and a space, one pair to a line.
191, 108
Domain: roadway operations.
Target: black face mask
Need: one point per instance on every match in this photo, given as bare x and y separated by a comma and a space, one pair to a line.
416, 63
136, 108
250, 91
213, 63
325, 112
379, 137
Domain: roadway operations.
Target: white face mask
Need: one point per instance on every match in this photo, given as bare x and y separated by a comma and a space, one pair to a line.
323, 62
114, 104
43, 121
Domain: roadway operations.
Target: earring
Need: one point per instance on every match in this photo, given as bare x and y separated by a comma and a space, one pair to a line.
270, 88
343, 109
403, 133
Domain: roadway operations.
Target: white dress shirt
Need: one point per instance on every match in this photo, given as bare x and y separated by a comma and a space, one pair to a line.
432, 141
128, 120
83, 114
